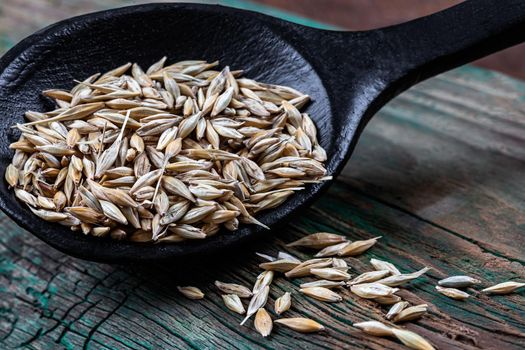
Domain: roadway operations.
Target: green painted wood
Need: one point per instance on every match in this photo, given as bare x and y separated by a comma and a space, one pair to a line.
20, 18
438, 173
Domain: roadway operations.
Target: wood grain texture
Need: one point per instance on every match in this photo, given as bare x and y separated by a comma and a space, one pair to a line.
438, 173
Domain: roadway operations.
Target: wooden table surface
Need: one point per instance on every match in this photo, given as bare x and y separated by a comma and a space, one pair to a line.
439, 173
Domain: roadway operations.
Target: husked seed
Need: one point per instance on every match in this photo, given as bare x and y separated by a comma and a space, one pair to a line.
233, 303
330, 274
283, 303
388, 300
322, 294
453, 293
231, 288
372, 290
304, 268
358, 247
191, 292
263, 322
340, 264
302, 325
258, 301
396, 309
289, 257
323, 283
263, 280
368, 277
384, 265
374, 328
282, 265
11, 175
411, 339
411, 313
332, 250
49, 215
458, 282
504, 288
318, 240
397, 280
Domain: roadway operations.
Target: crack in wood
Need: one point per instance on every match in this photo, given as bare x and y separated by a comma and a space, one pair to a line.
438, 226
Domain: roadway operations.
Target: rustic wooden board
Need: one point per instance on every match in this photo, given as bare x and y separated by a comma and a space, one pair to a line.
439, 173
439, 176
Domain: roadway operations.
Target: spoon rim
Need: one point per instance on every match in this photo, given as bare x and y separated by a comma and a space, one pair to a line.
107, 250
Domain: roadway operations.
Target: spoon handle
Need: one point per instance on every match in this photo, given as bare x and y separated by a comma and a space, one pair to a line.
431, 45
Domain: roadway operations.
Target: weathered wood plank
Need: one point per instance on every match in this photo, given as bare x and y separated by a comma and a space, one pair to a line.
422, 177
461, 150
161, 316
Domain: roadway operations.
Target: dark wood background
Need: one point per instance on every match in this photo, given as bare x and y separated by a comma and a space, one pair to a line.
369, 14
19, 18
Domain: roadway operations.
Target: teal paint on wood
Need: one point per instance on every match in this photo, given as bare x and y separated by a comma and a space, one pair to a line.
271, 11
24, 23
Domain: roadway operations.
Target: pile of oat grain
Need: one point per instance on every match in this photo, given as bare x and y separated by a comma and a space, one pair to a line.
166, 155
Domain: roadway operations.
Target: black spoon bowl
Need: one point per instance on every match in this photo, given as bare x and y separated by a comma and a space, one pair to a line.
349, 76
